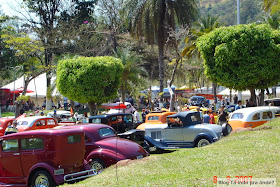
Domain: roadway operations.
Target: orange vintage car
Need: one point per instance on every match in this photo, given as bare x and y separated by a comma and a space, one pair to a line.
155, 118
35, 122
252, 116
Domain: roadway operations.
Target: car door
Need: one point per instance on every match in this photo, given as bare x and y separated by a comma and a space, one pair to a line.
10, 163
172, 135
32, 152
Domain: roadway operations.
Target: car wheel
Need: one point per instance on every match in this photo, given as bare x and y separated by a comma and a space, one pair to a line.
146, 146
203, 142
226, 129
97, 164
42, 178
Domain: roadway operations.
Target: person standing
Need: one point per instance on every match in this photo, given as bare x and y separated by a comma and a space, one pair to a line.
250, 103
136, 116
12, 128
239, 105
222, 116
235, 99
143, 115
206, 117
212, 119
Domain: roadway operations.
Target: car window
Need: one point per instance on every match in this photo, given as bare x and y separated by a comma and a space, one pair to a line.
195, 118
237, 116
127, 118
51, 122
267, 115
96, 120
128, 106
74, 138
103, 132
256, 116
32, 143
41, 123
22, 123
153, 118
10, 145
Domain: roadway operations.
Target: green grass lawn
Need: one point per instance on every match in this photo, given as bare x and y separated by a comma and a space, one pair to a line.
248, 153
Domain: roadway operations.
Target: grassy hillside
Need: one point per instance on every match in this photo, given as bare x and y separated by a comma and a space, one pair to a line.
248, 153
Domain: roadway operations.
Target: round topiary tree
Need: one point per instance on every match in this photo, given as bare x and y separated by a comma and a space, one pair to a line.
242, 57
89, 79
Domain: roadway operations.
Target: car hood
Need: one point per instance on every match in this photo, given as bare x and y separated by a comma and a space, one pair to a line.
126, 148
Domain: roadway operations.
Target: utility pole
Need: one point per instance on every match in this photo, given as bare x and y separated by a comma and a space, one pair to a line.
238, 22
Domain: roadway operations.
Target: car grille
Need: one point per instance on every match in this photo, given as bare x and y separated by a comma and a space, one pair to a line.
156, 135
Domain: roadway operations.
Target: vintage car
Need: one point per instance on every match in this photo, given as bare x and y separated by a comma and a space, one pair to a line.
183, 130
252, 116
198, 101
43, 158
104, 148
4, 123
35, 122
155, 118
128, 109
121, 122
273, 102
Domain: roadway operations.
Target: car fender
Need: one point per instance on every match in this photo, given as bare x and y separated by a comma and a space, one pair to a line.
109, 157
152, 142
204, 135
57, 178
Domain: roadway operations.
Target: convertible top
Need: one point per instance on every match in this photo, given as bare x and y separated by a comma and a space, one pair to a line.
186, 117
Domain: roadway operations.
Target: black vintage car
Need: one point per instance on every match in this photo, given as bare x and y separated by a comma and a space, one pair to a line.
123, 124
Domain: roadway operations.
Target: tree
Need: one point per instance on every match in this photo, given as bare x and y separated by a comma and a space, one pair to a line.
133, 74
242, 57
152, 19
89, 79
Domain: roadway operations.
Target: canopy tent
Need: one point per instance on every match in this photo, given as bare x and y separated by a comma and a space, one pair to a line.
37, 85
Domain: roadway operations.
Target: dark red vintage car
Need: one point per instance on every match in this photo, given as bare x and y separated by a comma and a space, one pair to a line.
35, 122
104, 148
43, 157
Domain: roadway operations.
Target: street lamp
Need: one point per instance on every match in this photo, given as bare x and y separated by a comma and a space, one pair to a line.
14, 97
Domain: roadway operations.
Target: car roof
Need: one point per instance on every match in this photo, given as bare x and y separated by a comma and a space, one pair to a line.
45, 132
272, 99
197, 96
256, 109
181, 114
109, 115
33, 118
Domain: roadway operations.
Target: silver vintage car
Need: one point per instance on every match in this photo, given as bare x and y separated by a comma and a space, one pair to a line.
183, 130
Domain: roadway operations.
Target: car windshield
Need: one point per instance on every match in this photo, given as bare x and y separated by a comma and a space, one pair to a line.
237, 116
197, 99
22, 123
153, 118
103, 132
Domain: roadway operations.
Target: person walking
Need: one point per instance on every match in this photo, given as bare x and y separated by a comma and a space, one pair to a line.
222, 116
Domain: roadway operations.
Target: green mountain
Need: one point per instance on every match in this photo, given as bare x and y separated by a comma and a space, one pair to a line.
250, 10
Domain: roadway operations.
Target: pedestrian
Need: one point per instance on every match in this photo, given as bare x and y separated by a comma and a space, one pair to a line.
206, 117
239, 105
212, 119
65, 103
11, 128
42, 113
55, 116
136, 116
235, 99
200, 113
250, 103
143, 114
222, 116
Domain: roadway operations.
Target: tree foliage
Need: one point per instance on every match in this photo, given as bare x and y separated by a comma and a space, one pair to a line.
242, 57
89, 79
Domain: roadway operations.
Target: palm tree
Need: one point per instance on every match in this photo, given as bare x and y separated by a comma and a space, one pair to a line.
203, 26
152, 19
133, 74
271, 6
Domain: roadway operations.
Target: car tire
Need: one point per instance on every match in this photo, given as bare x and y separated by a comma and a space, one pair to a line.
202, 142
42, 178
226, 129
97, 164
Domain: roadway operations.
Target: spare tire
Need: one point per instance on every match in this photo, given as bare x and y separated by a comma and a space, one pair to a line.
226, 129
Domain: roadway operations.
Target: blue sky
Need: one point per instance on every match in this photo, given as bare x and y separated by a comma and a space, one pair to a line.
9, 7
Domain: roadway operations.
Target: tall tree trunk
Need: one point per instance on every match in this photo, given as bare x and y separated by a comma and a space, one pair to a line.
123, 95
253, 95
215, 92
91, 106
48, 60
261, 98
230, 96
